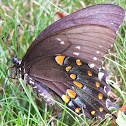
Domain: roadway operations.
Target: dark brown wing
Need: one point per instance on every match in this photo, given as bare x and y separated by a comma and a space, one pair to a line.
85, 91
89, 43
108, 15
86, 35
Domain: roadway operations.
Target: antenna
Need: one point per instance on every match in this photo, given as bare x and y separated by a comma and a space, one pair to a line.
17, 41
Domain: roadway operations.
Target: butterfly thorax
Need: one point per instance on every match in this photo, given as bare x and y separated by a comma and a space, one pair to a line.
17, 67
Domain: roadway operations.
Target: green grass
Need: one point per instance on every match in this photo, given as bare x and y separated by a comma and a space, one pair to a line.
20, 106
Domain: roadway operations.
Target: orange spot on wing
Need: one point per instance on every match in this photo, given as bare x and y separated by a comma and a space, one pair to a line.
100, 96
77, 110
78, 84
89, 73
78, 62
92, 112
60, 59
73, 76
68, 68
71, 93
97, 84
100, 109
65, 98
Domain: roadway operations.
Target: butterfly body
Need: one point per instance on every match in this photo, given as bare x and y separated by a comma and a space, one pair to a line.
67, 58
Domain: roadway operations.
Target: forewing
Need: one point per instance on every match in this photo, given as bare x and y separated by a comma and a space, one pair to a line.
89, 43
107, 15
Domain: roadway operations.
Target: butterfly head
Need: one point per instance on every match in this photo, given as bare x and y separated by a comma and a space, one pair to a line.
17, 62
15, 65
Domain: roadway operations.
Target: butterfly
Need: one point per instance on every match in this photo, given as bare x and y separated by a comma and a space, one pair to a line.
67, 58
